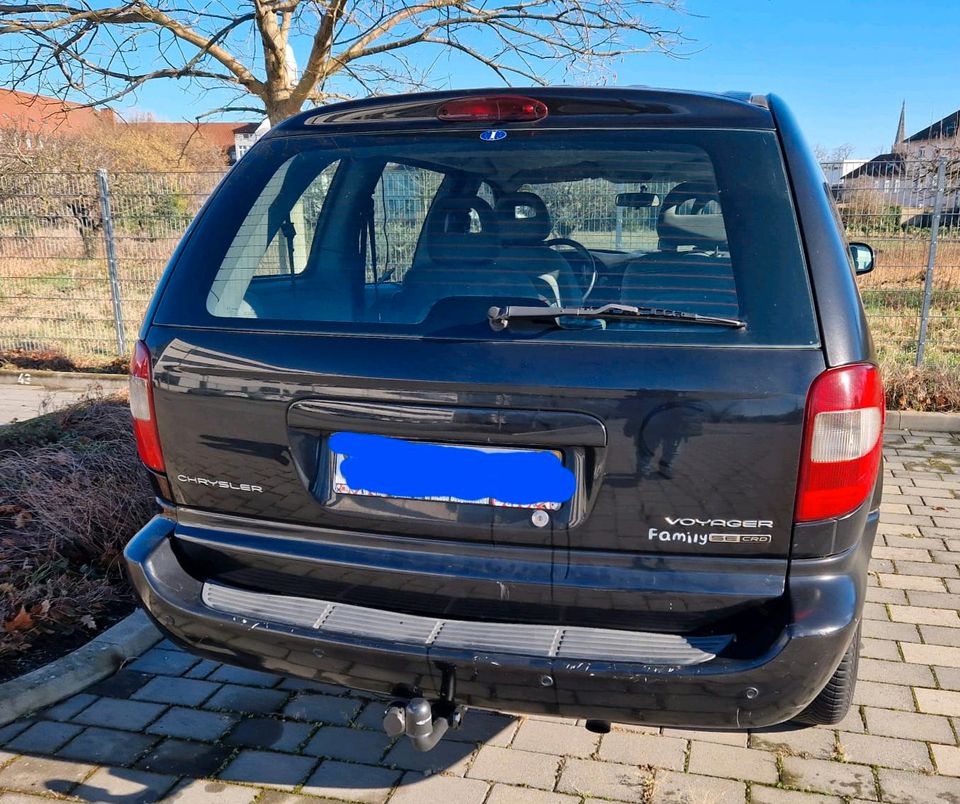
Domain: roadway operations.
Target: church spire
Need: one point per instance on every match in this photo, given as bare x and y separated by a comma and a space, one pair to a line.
901, 128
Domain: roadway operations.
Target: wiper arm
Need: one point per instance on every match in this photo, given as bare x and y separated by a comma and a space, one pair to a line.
500, 316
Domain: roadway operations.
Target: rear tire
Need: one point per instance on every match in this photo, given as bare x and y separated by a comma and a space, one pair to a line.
833, 702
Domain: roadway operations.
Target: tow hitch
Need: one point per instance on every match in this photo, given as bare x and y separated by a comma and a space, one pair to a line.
423, 721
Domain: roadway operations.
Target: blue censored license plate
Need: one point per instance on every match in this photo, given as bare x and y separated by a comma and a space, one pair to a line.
373, 465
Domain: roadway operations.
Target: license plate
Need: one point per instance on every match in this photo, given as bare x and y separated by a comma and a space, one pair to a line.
406, 467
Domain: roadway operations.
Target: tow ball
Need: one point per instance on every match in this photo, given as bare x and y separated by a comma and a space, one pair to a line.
425, 722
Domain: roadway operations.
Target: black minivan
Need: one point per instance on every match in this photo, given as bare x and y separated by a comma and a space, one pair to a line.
547, 400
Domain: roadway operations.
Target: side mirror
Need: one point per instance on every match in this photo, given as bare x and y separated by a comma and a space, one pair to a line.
862, 258
638, 200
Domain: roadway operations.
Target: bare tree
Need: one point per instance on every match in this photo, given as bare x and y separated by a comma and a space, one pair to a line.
102, 53
839, 154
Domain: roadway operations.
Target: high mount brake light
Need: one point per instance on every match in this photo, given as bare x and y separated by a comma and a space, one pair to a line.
492, 109
842, 442
141, 406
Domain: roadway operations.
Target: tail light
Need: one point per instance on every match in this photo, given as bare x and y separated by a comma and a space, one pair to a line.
492, 109
842, 441
141, 406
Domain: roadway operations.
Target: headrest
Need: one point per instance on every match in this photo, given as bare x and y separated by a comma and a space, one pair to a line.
523, 218
462, 229
690, 216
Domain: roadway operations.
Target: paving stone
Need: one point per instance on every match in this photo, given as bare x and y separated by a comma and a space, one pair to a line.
892, 581
774, 795
890, 696
924, 615
938, 635
265, 732
688, 788
588, 777
279, 797
799, 741
352, 745
346, 781
901, 632
447, 757
124, 786
932, 570
119, 714
164, 662
889, 752
489, 728
876, 594
106, 746
713, 759
249, 700
515, 767
371, 717
654, 750
908, 725
206, 791
947, 758
556, 738
242, 675
121, 684
895, 672
268, 768
202, 669
505, 794
68, 708
824, 776
192, 724
322, 709
172, 690
415, 789
42, 775
948, 677
185, 758
938, 702
901, 787
875, 611
902, 553
879, 649
932, 654
737, 738
11, 730
44, 737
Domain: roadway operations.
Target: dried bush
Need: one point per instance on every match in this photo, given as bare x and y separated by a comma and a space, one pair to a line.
55, 360
72, 492
929, 388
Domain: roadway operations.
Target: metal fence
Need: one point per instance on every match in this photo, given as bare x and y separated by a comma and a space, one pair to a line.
80, 253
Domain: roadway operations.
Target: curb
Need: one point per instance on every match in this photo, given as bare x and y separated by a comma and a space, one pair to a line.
922, 421
69, 674
61, 380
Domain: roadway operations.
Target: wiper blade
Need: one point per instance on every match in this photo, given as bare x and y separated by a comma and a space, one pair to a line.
500, 316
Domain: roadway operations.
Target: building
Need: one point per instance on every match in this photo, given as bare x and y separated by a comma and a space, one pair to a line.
25, 120
906, 176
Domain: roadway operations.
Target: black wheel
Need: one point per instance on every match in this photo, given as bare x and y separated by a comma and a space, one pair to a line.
833, 702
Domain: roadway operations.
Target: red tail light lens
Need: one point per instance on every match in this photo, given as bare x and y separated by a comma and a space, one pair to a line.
493, 109
141, 406
842, 442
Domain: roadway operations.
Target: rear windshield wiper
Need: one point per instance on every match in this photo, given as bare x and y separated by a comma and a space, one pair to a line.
500, 317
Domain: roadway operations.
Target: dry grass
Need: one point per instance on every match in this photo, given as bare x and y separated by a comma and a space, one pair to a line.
72, 492
930, 388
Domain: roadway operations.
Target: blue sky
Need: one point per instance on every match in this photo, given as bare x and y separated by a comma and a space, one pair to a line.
844, 66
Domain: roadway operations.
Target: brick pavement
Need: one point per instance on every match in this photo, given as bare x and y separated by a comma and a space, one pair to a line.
173, 727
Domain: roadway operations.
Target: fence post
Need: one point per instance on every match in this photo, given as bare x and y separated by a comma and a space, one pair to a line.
931, 259
112, 268
618, 232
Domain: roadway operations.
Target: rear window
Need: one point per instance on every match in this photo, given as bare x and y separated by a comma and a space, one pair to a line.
419, 235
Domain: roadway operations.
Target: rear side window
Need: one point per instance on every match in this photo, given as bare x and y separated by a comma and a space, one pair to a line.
421, 234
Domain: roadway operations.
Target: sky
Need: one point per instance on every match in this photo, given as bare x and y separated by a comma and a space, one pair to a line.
844, 66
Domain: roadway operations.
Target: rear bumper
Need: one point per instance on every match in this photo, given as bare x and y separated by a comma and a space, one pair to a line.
681, 689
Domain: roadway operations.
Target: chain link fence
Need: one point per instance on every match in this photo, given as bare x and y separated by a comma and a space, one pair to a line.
80, 253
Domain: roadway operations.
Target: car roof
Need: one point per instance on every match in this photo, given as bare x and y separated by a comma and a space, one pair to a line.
594, 107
